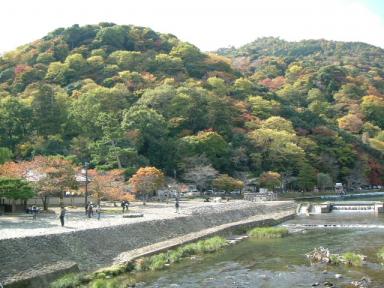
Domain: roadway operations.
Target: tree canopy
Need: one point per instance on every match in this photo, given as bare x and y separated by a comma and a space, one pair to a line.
125, 97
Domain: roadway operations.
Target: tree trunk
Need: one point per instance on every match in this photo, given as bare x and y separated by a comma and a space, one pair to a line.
44, 199
117, 156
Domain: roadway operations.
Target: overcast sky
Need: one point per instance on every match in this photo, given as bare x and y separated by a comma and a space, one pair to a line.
209, 24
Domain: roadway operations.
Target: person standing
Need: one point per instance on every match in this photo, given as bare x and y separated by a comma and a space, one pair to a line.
34, 212
126, 205
98, 211
86, 209
62, 215
90, 210
123, 205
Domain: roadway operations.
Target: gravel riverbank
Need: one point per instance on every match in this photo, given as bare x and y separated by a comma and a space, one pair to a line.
91, 243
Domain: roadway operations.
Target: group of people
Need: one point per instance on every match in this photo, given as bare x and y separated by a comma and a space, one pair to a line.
33, 210
90, 207
89, 210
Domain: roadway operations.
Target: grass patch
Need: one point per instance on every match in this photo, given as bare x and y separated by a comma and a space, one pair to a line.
70, 280
380, 254
268, 232
335, 259
160, 261
352, 259
323, 255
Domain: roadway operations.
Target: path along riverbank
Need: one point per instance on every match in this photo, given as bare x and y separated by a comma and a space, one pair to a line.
27, 253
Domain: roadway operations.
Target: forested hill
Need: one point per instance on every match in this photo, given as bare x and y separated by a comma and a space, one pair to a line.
126, 96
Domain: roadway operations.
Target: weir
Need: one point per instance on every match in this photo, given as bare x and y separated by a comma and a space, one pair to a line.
345, 206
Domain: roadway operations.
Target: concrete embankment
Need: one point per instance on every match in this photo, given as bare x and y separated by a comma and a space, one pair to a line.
23, 258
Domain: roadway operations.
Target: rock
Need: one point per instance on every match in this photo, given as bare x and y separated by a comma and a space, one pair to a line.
320, 254
362, 283
338, 276
133, 215
328, 284
315, 284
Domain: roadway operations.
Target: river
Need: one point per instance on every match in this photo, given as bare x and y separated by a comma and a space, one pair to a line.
282, 262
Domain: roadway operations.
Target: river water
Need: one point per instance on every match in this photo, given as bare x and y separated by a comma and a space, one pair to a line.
282, 262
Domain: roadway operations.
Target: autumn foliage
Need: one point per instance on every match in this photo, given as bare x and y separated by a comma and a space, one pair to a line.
227, 183
146, 180
108, 185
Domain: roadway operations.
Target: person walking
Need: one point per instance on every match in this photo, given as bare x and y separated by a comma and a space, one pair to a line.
177, 205
62, 215
98, 211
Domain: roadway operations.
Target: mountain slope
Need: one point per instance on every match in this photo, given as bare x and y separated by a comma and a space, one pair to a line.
126, 96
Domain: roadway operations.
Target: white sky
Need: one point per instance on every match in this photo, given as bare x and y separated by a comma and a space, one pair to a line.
209, 24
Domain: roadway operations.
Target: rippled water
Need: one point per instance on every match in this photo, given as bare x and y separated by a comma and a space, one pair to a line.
282, 262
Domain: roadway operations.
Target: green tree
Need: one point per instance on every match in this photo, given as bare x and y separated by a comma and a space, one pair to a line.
152, 130
209, 143
5, 155
48, 109
324, 181
15, 189
373, 109
115, 36
192, 58
263, 108
127, 60
15, 121
307, 177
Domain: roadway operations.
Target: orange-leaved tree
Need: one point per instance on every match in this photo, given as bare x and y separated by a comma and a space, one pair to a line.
108, 185
146, 181
16, 173
56, 176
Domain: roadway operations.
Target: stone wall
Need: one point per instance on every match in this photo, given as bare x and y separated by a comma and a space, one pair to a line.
95, 248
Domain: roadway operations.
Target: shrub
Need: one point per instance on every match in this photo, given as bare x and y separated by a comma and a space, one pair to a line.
175, 256
352, 259
158, 262
268, 232
110, 271
68, 281
212, 244
188, 250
